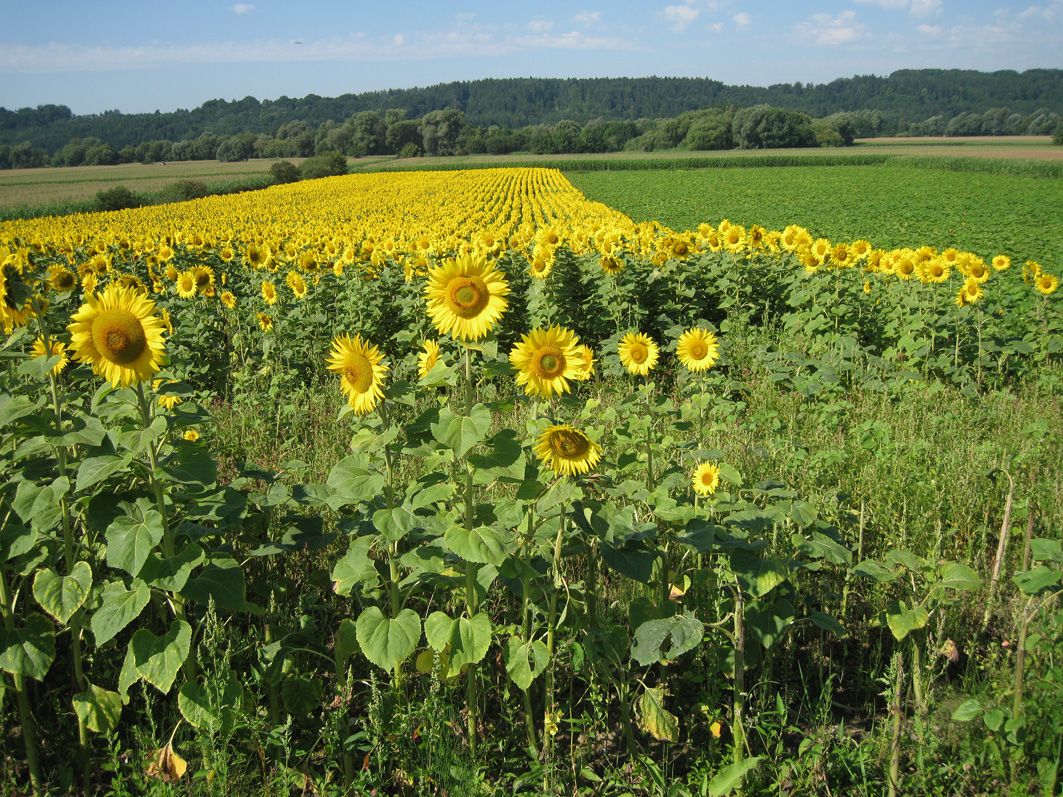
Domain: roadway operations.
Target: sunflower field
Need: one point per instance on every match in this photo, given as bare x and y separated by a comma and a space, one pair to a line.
460, 483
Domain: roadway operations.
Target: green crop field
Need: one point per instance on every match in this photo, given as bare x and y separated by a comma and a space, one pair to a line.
890, 204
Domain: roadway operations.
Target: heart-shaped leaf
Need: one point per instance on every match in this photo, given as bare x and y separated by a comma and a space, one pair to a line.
460, 433
158, 659
28, 649
119, 608
388, 641
482, 545
131, 537
98, 709
525, 661
682, 632
61, 596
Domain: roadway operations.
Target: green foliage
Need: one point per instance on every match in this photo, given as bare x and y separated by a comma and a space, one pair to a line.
118, 198
284, 172
323, 165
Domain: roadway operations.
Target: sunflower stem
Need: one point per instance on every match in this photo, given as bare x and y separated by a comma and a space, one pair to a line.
471, 594
190, 666
29, 732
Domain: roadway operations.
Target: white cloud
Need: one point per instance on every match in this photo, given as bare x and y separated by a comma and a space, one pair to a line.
831, 31
587, 18
742, 20
917, 8
715, 27
933, 31
540, 25
469, 41
243, 8
681, 16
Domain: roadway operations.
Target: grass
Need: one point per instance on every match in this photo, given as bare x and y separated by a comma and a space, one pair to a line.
892, 204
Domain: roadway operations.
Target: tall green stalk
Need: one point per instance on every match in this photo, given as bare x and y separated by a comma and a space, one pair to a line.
29, 731
472, 597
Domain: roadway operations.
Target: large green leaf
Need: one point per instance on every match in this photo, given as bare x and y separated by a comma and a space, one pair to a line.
355, 567
95, 469
221, 581
158, 659
120, 607
171, 574
875, 570
654, 718
1038, 578
967, 710
758, 575
730, 777
346, 640
28, 649
131, 537
207, 711
460, 433
352, 483
98, 709
681, 632
525, 661
958, 577
902, 620
61, 596
482, 545
388, 641
465, 639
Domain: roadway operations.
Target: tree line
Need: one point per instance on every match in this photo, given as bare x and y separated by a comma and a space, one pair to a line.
574, 115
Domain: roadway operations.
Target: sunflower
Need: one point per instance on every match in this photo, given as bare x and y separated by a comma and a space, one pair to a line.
427, 358
540, 267
297, 284
269, 292
118, 332
361, 372
545, 360
698, 349
166, 400
585, 362
61, 279
1046, 283
186, 284
265, 322
970, 293
191, 435
638, 353
706, 478
258, 255
611, 265
567, 451
56, 348
1001, 263
228, 299
466, 297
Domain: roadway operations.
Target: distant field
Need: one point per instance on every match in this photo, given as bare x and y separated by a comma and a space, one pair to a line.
889, 204
59, 189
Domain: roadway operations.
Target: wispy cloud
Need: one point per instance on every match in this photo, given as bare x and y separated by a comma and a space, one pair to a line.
240, 9
917, 8
540, 26
468, 41
680, 17
587, 18
742, 20
831, 31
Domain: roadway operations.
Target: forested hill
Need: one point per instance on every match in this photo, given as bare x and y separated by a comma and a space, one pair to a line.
903, 97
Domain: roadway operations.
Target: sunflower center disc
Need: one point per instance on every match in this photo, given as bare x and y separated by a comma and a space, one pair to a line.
468, 297
568, 445
359, 374
551, 363
119, 336
638, 353
698, 350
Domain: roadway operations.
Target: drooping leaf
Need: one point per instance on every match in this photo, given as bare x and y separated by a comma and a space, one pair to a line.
958, 577
352, 483
120, 607
681, 632
28, 649
482, 545
158, 659
355, 567
525, 661
131, 537
388, 641
172, 574
61, 596
902, 620
346, 640
460, 433
654, 718
98, 709
221, 581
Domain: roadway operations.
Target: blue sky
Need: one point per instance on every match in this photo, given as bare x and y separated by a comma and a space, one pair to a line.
143, 56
